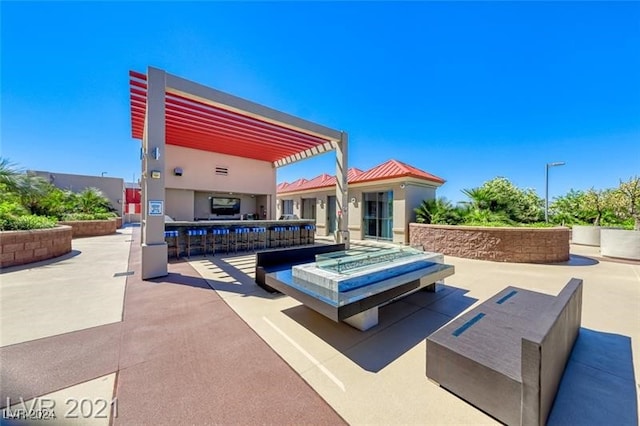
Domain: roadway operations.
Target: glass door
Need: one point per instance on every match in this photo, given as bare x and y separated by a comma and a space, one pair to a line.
378, 215
308, 208
332, 221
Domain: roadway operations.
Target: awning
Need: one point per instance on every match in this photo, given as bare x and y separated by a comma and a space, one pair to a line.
202, 118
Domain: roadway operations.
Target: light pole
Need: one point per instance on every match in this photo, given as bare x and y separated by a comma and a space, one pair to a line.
102, 174
546, 188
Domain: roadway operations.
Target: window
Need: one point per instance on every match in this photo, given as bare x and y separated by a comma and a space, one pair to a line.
287, 206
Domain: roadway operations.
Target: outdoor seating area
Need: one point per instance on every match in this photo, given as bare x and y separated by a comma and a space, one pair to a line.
336, 369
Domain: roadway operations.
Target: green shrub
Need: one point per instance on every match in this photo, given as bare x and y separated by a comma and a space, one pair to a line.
88, 216
11, 207
438, 212
500, 200
22, 223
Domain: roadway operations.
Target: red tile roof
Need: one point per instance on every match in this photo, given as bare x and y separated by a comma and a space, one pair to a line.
394, 169
388, 170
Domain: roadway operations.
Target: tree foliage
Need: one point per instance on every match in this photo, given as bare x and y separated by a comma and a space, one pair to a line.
505, 201
438, 211
28, 201
625, 200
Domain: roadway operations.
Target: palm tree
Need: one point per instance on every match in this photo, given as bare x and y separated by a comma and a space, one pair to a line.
438, 211
480, 199
92, 200
8, 173
31, 190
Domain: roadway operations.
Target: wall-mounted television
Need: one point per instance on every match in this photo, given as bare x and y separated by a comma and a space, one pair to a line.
225, 206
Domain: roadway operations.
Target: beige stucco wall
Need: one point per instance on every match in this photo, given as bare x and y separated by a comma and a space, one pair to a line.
111, 187
405, 199
415, 193
179, 204
246, 177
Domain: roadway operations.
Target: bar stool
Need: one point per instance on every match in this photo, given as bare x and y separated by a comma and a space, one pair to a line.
294, 235
219, 239
281, 236
199, 237
241, 238
310, 233
259, 238
274, 236
171, 237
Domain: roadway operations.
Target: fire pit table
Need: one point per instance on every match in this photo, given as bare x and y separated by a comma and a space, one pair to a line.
351, 285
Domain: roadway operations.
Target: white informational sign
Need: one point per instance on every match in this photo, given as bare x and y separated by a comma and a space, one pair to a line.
156, 208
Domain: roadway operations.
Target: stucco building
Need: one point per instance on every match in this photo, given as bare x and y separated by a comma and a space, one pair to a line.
381, 200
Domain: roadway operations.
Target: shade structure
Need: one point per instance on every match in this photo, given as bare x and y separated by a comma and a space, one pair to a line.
169, 110
218, 122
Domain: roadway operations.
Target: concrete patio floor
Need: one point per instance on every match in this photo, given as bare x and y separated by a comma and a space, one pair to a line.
173, 350
378, 376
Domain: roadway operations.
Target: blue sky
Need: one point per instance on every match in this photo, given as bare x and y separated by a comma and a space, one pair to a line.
466, 91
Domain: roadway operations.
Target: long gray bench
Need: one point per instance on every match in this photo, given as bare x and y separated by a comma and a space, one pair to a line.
507, 355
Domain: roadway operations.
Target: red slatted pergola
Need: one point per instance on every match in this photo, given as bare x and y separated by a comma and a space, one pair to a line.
210, 126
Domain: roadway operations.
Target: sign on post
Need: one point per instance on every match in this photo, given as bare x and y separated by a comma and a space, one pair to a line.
156, 208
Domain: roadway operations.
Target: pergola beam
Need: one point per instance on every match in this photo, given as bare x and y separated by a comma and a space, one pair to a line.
199, 92
302, 155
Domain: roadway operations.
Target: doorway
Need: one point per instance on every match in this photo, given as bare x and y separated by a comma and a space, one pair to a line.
331, 214
308, 210
378, 215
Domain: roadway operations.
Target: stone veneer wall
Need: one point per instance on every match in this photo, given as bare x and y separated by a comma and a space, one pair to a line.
91, 228
21, 247
505, 244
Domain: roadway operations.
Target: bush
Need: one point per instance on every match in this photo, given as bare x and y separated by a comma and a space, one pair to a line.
501, 197
11, 208
22, 223
88, 216
438, 211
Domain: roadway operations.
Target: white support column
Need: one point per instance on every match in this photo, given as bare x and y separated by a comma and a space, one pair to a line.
342, 193
154, 247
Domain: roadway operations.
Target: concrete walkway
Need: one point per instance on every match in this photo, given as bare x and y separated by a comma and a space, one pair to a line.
77, 291
179, 355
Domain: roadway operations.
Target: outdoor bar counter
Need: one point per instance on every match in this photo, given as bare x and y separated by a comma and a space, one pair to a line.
237, 222
223, 235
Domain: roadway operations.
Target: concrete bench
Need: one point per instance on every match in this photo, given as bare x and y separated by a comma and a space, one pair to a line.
507, 356
282, 259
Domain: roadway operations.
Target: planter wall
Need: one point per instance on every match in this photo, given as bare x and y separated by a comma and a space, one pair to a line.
22, 247
620, 243
586, 235
91, 228
508, 244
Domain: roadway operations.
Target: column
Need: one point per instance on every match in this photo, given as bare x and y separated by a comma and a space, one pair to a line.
154, 247
342, 208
